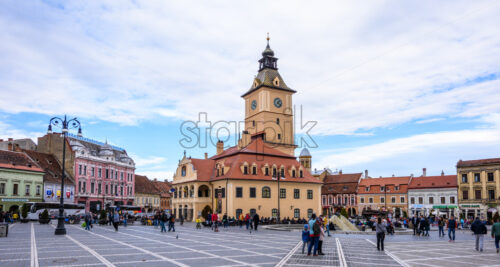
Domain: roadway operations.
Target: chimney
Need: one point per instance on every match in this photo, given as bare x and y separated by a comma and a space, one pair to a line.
366, 173
220, 147
340, 172
442, 172
424, 172
206, 155
17, 148
9, 147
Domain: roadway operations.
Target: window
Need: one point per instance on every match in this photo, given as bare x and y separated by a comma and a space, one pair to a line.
477, 194
84, 189
221, 191
253, 193
465, 195
38, 190
382, 188
477, 177
99, 188
464, 178
245, 170
111, 174
253, 123
420, 200
345, 200
431, 200
15, 189
412, 200
279, 136
106, 188
254, 170
490, 177
309, 213
309, 194
370, 200
330, 200
274, 172
278, 121
443, 200
491, 194
183, 171
323, 200
301, 174
2, 188
382, 200
107, 173
27, 190
352, 201
99, 172
266, 171
121, 176
452, 200
92, 171
274, 213
80, 169
92, 188
238, 213
282, 192
293, 173
282, 173
367, 189
362, 200
396, 188
393, 199
296, 193
266, 192
239, 192
116, 175
80, 186
402, 199
296, 213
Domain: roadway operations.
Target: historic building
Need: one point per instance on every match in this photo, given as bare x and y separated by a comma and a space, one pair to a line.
52, 178
339, 191
165, 195
24, 143
261, 173
385, 194
104, 174
147, 196
479, 187
21, 180
436, 195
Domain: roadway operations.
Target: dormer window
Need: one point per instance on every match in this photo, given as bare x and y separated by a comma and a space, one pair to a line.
293, 173
245, 170
367, 189
254, 170
274, 172
282, 172
255, 83
276, 81
301, 174
266, 171
382, 188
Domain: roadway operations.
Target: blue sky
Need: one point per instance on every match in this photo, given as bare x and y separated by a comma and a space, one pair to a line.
393, 86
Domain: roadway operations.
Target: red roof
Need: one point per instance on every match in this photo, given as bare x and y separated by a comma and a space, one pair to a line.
342, 178
51, 166
144, 186
390, 182
162, 187
478, 162
442, 181
17, 161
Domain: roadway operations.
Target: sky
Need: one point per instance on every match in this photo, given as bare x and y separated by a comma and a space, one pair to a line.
385, 86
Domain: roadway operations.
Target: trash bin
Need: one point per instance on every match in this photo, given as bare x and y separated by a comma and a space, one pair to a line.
4, 229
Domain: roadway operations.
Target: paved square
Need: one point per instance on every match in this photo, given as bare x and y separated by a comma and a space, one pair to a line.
33, 244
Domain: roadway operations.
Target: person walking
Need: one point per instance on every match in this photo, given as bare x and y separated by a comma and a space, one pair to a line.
215, 221
181, 218
495, 233
427, 226
247, 220
314, 232
452, 224
479, 229
256, 221
441, 227
224, 220
240, 220
171, 223
88, 219
326, 225
125, 215
321, 237
305, 237
110, 217
415, 222
198, 223
155, 219
163, 220
380, 228
116, 220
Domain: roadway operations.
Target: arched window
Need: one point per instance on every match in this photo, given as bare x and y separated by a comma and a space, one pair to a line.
183, 171
301, 174
282, 172
266, 192
267, 171
293, 173
222, 170
274, 172
296, 213
254, 170
218, 171
309, 213
245, 169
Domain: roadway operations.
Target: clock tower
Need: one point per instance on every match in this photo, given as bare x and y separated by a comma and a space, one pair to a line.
268, 107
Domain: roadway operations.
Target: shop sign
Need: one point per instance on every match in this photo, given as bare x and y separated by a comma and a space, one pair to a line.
14, 200
417, 206
444, 207
469, 206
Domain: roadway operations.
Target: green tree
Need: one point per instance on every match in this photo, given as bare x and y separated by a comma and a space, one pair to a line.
24, 211
45, 215
343, 212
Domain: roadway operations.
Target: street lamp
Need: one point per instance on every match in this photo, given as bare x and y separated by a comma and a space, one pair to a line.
65, 124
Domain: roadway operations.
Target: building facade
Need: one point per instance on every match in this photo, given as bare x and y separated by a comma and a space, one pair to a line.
52, 178
23, 143
260, 175
339, 191
433, 195
147, 196
383, 195
104, 174
21, 180
479, 187
165, 195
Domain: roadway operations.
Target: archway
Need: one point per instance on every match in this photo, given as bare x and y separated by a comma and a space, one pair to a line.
13, 208
206, 210
203, 191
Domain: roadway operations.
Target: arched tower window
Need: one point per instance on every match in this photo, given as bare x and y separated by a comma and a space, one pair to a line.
183, 171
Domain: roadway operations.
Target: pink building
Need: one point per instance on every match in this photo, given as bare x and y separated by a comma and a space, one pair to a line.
104, 174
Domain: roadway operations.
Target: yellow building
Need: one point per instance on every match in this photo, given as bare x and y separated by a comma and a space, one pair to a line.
244, 178
479, 187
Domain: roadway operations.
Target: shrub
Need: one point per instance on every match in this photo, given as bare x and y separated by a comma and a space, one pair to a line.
103, 215
44, 215
24, 211
405, 215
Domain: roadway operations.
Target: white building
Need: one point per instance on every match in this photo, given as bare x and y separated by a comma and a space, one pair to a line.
436, 195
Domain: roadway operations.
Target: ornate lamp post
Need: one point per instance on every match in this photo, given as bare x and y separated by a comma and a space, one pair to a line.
65, 124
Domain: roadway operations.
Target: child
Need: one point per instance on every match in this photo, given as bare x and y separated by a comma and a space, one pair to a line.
305, 237
198, 223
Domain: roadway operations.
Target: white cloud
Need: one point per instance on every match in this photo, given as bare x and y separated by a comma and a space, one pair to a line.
9, 131
355, 66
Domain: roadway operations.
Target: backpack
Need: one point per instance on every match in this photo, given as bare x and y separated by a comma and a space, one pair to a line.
316, 229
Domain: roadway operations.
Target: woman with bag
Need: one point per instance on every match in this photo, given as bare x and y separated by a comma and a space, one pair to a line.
116, 220
380, 228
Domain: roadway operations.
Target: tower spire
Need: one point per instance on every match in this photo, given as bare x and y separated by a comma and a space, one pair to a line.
268, 60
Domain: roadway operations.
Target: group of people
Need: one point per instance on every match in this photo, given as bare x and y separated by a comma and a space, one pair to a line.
8, 217
214, 220
478, 227
313, 235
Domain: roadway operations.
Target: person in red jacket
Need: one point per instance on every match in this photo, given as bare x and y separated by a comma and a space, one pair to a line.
215, 222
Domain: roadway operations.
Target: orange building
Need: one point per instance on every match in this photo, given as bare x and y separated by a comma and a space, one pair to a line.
383, 195
339, 191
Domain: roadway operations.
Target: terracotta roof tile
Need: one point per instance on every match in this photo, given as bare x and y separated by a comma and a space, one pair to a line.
163, 187
433, 182
51, 166
144, 186
374, 185
478, 162
18, 161
342, 178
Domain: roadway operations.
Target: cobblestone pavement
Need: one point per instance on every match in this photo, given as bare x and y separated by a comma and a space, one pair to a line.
36, 245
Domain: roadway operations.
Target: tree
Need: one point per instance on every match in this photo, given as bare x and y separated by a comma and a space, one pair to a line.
343, 212
24, 211
45, 215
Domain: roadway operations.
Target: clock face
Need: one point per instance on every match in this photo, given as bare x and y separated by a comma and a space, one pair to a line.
277, 102
254, 104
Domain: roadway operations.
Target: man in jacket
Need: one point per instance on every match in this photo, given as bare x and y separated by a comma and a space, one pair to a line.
452, 224
495, 233
479, 229
256, 220
415, 221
